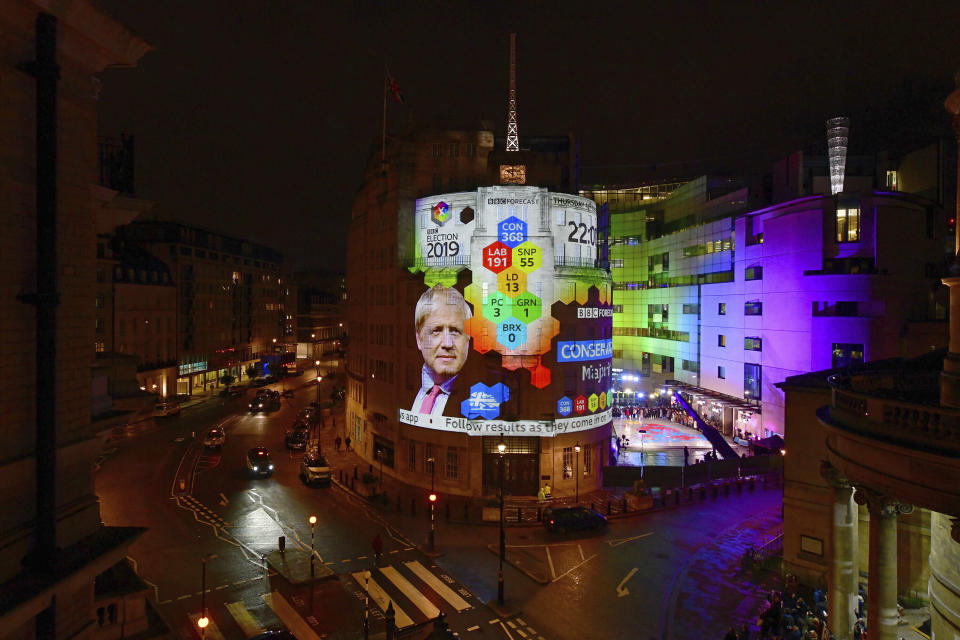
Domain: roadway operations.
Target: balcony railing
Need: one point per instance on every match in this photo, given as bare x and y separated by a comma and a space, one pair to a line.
880, 406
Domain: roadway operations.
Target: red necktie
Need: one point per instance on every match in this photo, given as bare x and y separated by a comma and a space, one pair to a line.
429, 401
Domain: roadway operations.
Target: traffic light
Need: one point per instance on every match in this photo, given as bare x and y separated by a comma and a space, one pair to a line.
432, 497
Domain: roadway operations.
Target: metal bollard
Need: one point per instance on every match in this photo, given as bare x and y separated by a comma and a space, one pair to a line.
608, 507
690, 494
726, 488
764, 481
354, 472
519, 515
713, 491
341, 476
282, 543
623, 505
591, 506
739, 486
751, 485
676, 497
539, 514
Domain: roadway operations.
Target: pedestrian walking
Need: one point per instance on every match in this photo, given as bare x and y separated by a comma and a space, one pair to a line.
347, 442
377, 547
337, 443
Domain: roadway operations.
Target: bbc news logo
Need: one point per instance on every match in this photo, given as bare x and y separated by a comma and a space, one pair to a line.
594, 312
580, 350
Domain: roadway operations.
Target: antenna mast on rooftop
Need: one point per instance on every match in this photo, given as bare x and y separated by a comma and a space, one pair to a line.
512, 139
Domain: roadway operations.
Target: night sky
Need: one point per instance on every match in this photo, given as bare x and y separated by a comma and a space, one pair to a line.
256, 120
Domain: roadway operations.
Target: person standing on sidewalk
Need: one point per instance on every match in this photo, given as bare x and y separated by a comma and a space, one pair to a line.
347, 442
337, 442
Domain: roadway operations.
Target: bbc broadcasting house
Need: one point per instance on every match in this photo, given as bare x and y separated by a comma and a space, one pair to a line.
425, 217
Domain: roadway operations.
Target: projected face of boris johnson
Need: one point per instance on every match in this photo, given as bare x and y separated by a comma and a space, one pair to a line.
441, 336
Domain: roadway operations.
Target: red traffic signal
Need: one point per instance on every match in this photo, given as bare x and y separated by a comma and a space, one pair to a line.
432, 497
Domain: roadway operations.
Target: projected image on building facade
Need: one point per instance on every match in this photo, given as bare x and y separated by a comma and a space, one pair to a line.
526, 349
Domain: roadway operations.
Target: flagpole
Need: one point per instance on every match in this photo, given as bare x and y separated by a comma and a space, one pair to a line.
383, 140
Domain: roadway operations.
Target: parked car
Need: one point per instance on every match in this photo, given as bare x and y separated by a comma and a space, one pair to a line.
287, 393
314, 468
563, 519
232, 392
258, 382
265, 402
297, 439
259, 462
166, 408
215, 438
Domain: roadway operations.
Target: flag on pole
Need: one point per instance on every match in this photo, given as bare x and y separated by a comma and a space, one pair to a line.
394, 88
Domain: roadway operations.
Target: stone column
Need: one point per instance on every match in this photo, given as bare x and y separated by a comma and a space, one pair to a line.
842, 590
882, 584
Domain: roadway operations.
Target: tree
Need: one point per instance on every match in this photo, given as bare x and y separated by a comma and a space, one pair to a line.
275, 368
227, 380
251, 372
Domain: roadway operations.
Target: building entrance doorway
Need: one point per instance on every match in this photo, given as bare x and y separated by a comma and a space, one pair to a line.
521, 466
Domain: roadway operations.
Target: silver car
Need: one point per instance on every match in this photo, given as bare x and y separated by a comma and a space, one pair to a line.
314, 468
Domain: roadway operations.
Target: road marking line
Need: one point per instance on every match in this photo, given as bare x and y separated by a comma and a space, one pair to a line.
361, 557
620, 541
244, 619
506, 631
580, 549
522, 634
395, 551
211, 631
223, 497
473, 628
622, 590
223, 586
434, 583
573, 568
184, 597
494, 621
511, 624
553, 572
522, 623
289, 616
381, 597
416, 597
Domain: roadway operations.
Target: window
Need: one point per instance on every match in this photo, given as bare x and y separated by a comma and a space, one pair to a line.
848, 224
412, 455
101, 250
99, 325
99, 274
98, 346
587, 459
753, 273
567, 463
100, 301
751, 381
721, 340
691, 308
722, 373
437, 150
847, 308
452, 471
469, 149
846, 354
752, 344
891, 180
429, 462
722, 309
453, 150
753, 308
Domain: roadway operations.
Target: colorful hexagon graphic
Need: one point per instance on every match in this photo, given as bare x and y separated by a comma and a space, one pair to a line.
528, 256
512, 282
497, 257
440, 213
593, 402
497, 308
603, 400
527, 307
580, 404
484, 402
564, 406
511, 334
512, 231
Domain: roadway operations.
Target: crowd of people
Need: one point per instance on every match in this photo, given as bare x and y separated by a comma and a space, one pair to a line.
787, 616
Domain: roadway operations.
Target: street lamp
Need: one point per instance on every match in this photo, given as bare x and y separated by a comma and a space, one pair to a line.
433, 501
204, 620
501, 448
313, 527
576, 448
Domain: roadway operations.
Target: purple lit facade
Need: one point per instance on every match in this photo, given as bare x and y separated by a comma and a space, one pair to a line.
733, 302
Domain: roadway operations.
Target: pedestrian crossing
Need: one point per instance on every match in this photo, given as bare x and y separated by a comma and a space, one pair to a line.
417, 593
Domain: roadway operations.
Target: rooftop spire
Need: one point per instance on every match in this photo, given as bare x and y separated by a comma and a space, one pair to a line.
512, 139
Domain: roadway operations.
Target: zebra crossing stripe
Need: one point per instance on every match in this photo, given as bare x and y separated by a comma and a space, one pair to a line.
381, 598
297, 625
244, 619
418, 599
434, 583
